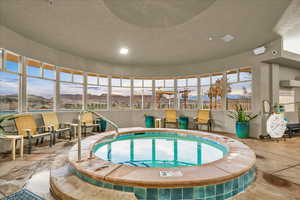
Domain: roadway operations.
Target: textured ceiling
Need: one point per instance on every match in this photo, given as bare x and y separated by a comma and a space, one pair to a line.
163, 32
157, 13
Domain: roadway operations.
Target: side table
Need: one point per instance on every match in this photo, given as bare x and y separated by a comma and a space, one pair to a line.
13, 139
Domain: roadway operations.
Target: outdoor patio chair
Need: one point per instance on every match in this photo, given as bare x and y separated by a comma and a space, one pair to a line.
27, 127
203, 118
88, 122
50, 120
170, 117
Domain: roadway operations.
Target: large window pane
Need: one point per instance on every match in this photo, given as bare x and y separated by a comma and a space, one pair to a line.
12, 66
116, 82
9, 91
205, 101
239, 93
148, 98
65, 76
50, 74
33, 71
187, 97
192, 81
232, 76
103, 81
205, 80
78, 78
97, 97
71, 96
126, 82
40, 94
137, 100
92, 80
120, 98
165, 98
245, 74
287, 97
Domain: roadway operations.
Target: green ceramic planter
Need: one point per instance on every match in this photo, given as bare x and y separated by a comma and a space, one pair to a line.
183, 122
242, 129
103, 125
149, 121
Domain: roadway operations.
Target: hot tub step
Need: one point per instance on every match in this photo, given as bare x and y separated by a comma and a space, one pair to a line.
66, 186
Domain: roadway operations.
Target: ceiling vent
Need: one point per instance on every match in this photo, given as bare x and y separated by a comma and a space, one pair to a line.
290, 83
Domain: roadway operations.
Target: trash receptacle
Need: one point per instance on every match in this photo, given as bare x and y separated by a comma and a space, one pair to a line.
102, 124
183, 122
149, 121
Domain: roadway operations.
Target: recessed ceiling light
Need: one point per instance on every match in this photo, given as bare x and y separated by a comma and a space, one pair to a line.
124, 51
210, 38
227, 38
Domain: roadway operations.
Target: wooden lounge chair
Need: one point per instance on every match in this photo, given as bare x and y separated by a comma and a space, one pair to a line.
170, 117
26, 126
88, 122
203, 118
51, 120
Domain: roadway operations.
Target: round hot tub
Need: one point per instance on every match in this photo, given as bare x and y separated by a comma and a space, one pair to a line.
165, 163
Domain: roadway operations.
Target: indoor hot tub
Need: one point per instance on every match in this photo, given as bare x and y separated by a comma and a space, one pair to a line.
165, 163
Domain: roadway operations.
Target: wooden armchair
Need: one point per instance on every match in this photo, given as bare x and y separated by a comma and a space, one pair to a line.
170, 117
26, 126
51, 120
203, 118
88, 122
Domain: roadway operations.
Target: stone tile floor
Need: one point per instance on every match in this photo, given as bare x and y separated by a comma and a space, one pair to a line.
278, 170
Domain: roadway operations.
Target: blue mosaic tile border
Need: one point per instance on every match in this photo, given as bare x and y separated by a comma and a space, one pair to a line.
210, 192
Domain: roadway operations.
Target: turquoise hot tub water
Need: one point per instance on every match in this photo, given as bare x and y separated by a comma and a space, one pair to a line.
160, 150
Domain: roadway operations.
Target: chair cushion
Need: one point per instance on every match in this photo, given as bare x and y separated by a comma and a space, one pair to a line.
171, 116
203, 116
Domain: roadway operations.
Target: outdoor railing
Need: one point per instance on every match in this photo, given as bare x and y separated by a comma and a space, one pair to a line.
80, 129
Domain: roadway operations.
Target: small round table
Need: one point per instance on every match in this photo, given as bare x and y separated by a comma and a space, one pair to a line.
13, 139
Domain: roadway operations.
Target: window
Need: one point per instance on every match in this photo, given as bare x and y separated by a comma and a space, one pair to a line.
71, 89
120, 93
239, 91
97, 92
49, 72
287, 97
9, 83
164, 94
9, 92
187, 93
142, 94
33, 68
40, 91
12, 63
71, 96
40, 94
205, 83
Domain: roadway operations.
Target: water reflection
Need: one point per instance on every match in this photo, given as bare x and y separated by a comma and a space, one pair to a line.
159, 151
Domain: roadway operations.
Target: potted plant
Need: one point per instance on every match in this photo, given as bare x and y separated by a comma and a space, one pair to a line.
149, 121
2, 120
242, 119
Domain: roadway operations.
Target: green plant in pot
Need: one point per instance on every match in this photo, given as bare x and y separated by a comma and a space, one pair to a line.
242, 119
149, 121
2, 120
